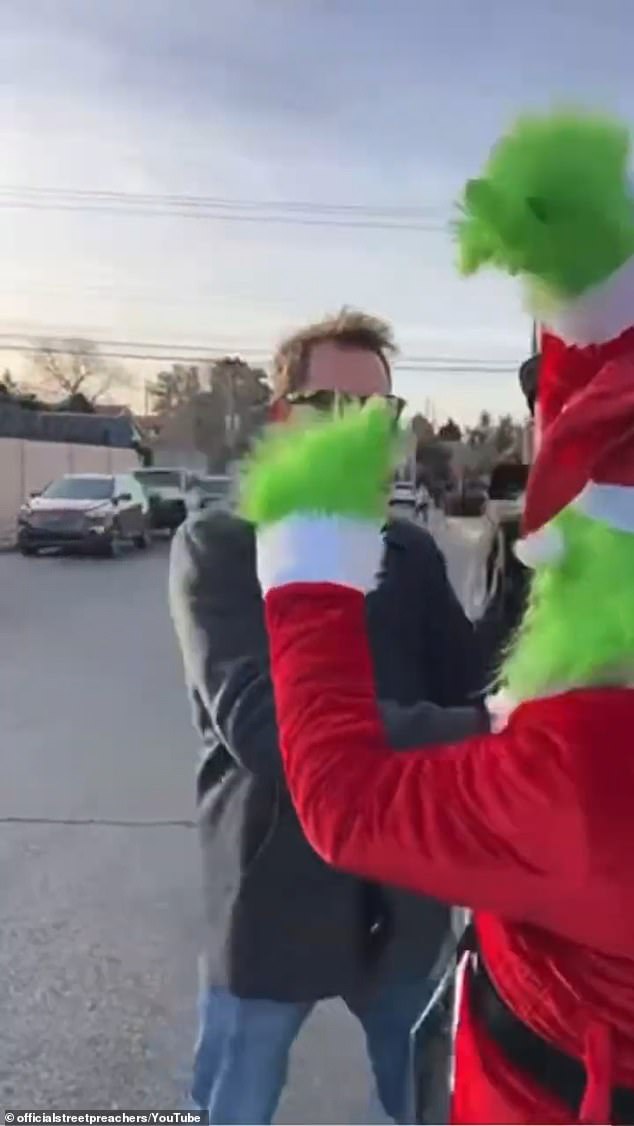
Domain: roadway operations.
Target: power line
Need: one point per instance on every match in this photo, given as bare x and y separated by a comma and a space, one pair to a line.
202, 353
223, 217
71, 342
197, 201
296, 213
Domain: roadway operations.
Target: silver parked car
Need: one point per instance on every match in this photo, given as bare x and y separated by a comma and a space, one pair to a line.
210, 492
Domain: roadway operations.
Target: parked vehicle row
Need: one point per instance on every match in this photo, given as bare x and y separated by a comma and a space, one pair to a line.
210, 492
174, 493
100, 513
166, 490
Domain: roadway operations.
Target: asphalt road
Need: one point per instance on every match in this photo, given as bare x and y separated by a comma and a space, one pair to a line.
99, 925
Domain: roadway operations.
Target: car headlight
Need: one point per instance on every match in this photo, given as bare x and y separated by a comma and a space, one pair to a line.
24, 514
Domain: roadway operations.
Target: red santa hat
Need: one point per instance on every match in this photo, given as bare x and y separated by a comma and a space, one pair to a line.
586, 459
580, 338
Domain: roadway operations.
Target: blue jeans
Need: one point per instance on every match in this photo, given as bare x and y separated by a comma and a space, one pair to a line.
241, 1061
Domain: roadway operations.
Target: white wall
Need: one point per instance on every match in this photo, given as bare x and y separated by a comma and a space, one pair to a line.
27, 467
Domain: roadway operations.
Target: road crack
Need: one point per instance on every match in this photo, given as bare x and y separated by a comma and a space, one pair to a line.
109, 822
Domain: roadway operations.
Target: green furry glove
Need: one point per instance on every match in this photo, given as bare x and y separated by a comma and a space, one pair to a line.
318, 498
554, 204
338, 467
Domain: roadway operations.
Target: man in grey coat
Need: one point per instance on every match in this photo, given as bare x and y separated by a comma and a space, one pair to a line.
295, 931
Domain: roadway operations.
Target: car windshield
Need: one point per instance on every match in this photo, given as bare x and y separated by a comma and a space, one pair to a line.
159, 479
508, 482
214, 486
80, 488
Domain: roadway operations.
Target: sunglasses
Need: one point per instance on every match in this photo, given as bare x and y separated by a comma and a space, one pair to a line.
335, 402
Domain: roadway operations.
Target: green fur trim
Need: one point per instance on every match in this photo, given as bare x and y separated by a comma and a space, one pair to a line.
579, 626
554, 203
341, 467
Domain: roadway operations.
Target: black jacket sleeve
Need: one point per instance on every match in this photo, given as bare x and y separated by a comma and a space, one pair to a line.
218, 616
426, 724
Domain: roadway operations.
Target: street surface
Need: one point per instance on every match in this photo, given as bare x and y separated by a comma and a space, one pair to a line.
99, 916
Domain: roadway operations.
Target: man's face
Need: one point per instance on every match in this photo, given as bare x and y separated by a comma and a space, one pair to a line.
336, 375
351, 371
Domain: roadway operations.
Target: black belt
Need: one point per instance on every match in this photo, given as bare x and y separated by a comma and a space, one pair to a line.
556, 1072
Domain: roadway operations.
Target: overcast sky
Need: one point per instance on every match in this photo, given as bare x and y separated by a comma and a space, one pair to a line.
356, 102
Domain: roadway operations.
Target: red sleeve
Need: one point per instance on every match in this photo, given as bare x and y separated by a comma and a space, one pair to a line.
481, 823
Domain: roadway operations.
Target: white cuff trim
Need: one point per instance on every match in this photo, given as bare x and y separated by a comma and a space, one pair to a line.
544, 546
600, 314
500, 706
320, 549
609, 504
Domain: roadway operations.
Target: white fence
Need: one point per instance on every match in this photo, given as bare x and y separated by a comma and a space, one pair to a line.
27, 467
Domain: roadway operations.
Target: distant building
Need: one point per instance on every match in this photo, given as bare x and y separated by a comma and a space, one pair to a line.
112, 409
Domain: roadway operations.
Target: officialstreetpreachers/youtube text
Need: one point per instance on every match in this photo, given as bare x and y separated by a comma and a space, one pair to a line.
105, 1118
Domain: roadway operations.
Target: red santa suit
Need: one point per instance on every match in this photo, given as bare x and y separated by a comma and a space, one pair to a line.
532, 828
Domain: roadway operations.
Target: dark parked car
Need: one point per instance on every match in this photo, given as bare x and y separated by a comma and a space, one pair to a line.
166, 491
507, 580
474, 497
89, 512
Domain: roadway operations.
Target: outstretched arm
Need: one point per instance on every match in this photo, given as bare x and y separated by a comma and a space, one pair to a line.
472, 823
218, 615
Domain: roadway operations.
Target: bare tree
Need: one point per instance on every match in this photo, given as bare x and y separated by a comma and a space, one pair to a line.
507, 434
174, 387
225, 399
9, 386
243, 392
75, 367
423, 429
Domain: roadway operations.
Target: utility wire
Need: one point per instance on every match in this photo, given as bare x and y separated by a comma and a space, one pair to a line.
215, 216
69, 342
204, 355
293, 212
194, 201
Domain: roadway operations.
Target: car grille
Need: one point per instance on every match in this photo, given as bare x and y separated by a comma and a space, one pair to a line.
58, 521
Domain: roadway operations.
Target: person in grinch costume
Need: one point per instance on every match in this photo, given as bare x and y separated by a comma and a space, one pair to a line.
531, 827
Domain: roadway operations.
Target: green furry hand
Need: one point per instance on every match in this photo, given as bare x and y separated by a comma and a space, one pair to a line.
554, 203
339, 467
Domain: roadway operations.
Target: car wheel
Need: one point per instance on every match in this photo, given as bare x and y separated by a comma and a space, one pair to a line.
142, 541
112, 549
27, 551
